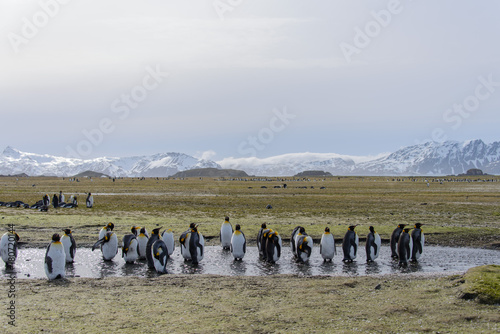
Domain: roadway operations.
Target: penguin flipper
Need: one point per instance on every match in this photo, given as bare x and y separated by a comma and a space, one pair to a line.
48, 261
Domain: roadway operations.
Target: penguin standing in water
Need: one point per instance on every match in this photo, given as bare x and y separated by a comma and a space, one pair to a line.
69, 245
8, 248
373, 244
273, 247
259, 239
192, 244
238, 243
155, 235
160, 256
394, 240
304, 246
350, 244
327, 246
405, 247
226, 233
418, 239
103, 230
293, 241
142, 242
263, 243
55, 259
129, 248
168, 238
108, 245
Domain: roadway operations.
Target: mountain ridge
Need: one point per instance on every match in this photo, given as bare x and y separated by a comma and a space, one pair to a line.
427, 159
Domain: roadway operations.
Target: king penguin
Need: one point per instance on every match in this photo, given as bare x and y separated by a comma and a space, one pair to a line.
418, 239
304, 246
142, 240
293, 240
394, 240
155, 235
129, 248
108, 244
327, 246
259, 239
55, 259
350, 244
104, 229
168, 238
405, 247
238, 243
69, 245
226, 232
160, 256
273, 247
8, 248
192, 244
373, 244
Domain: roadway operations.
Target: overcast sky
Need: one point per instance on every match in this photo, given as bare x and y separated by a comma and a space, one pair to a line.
229, 78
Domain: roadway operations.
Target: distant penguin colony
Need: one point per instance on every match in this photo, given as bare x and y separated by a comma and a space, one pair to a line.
157, 248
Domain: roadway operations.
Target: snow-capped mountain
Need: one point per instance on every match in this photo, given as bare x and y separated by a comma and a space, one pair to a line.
14, 162
431, 158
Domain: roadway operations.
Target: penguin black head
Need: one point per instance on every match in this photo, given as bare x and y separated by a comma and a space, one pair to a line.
237, 227
264, 225
407, 229
157, 230
302, 230
372, 229
401, 225
226, 219
192, 225
134, 230
56, 237
143, 230
111, 226
352, 227
327, 229
67, 231
418, 225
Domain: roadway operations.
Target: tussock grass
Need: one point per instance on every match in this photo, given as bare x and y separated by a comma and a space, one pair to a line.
482, 283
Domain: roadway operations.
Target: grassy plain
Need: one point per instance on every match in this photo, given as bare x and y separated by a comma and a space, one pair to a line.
454, 214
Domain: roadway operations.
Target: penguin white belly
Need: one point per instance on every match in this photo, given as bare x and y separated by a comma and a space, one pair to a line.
327, 246
4, 248
110, 249
132, 255
66, 241
238, 243
55, 261
168, 239
142, 242
378, 243
102, 233
226, 232
422, 241
186, 254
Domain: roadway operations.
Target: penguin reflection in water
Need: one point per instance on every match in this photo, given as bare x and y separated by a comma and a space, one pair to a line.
55, 259
192, 244
405, 247
373, 244
108, 245
69, 245
350, 244
8, 248
418, 239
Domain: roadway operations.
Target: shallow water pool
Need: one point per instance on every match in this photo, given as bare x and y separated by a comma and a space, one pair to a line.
435, 259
